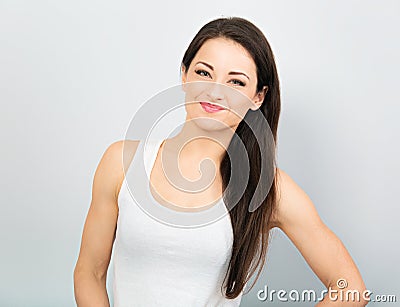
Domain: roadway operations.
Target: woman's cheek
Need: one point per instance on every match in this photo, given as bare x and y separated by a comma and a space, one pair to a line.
240, 104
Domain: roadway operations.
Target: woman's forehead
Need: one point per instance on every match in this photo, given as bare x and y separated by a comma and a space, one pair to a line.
222, 53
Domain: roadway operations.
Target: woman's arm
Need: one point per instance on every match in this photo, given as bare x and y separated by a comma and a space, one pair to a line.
98, 236
320, 247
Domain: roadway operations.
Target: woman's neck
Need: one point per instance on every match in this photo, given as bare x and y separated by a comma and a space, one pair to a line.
198, 144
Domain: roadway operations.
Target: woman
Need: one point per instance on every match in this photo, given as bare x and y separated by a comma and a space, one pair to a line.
158, 264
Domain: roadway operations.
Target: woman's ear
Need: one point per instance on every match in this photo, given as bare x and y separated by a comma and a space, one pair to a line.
183, 73
259, 98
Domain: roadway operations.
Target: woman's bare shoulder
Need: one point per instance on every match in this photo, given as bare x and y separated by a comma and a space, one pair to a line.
118, 156
292, 200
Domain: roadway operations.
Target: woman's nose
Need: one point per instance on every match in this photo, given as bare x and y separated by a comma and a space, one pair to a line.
216, 91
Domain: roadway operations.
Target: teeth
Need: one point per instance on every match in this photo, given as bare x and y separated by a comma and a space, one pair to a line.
214, 106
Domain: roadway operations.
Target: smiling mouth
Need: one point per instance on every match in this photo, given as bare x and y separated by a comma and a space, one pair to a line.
211, 108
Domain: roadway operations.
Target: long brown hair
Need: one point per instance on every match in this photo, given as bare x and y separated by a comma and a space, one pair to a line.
250, 229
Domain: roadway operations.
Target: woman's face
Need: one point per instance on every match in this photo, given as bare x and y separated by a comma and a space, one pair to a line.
224, 74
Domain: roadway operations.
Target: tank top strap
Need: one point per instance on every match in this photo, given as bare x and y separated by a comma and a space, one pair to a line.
150, 151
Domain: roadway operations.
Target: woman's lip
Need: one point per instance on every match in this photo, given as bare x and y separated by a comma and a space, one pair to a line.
211, 108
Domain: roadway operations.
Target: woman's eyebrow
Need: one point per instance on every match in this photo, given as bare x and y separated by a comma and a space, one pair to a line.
238, 73
230, 73
206, 64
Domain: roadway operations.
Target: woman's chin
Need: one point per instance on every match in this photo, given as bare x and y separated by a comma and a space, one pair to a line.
210, 124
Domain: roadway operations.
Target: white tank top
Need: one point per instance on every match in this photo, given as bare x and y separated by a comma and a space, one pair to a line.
156, 264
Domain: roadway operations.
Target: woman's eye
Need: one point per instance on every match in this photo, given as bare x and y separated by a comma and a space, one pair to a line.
238, 82
202, 73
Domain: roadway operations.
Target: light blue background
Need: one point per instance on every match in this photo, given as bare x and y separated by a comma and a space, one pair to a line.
72, 74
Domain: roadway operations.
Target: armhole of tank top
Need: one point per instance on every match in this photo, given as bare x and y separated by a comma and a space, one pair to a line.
120, 192
123, 188
149, 155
